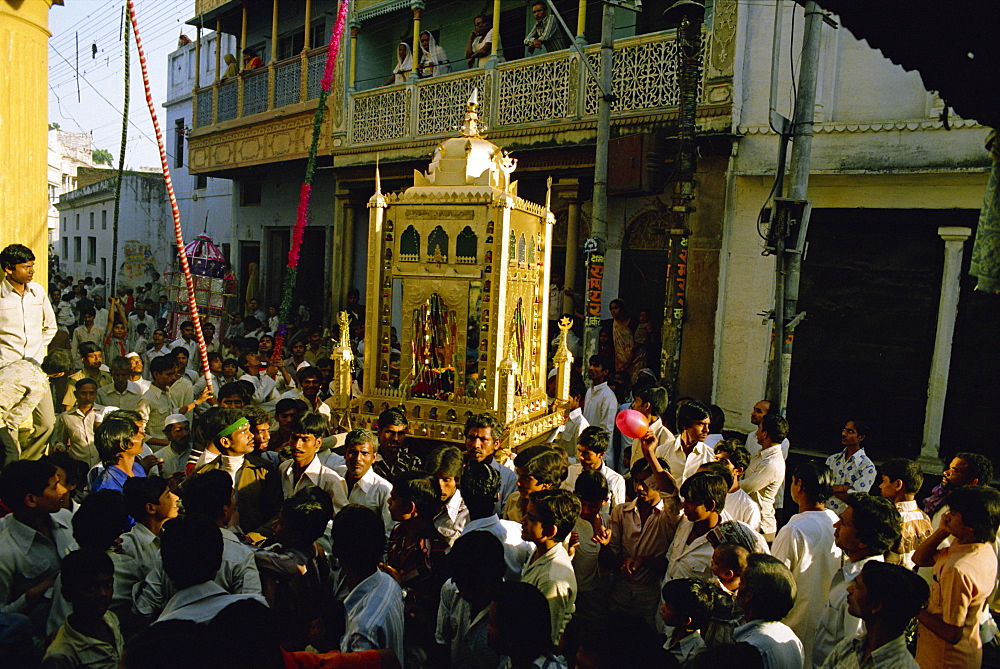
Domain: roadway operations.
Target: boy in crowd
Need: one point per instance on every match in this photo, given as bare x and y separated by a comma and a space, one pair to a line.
175, 455
688, 451
686, 609
807, 546
538, 468
886, 597
93, 368
121, 392
965, 574
364, 486
394, 457
74, 429
591, 448
568, 434
703, 501
651, 402
305, 469
739, 505
729, 561
91, 636
286, 412
294, 573
766, 471
156, 403
33, 538
600, 405
374, 605
150, 502
477, 567
867, 529
445, 463
549, 517
640, 534
901, 481
591, 489
481, 488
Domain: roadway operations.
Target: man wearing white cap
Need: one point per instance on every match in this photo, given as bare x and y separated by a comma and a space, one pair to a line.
137, 365
175, 455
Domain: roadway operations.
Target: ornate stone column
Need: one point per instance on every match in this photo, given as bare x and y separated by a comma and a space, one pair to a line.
937, 385
569, 190
355, 29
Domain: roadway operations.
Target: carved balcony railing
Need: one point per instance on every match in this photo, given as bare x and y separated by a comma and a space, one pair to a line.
288, 82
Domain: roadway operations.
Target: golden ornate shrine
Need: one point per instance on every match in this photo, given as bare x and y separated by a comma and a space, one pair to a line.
457, 297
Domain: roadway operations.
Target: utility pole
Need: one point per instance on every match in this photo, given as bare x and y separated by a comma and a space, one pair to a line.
790, 219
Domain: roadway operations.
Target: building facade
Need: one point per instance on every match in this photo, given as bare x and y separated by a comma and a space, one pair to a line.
68, 151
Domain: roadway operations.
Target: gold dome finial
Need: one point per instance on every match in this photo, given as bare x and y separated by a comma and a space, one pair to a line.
471, 127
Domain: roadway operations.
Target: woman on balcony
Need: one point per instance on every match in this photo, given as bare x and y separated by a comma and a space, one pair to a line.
404, 64
433, 59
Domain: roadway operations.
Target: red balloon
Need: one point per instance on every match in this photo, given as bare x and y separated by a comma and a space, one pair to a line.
632, 424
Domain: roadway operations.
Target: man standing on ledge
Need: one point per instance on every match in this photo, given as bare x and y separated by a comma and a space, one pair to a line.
27, 325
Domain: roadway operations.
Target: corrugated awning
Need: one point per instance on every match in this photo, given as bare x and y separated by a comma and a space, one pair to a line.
955, 46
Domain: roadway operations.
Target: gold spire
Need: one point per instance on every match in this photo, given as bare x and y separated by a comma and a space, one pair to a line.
471, 126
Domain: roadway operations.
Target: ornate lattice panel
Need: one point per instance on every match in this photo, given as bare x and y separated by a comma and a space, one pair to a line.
437, 108
537, 92
381, 116
227, 100
287, 81
645, 76
317, 62
255, 92
205, 107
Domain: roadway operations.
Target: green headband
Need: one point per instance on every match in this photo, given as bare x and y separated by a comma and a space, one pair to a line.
242, 422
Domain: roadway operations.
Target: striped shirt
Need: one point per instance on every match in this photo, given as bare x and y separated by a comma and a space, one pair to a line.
374, 615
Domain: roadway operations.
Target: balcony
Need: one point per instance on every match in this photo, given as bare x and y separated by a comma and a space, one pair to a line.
537, 97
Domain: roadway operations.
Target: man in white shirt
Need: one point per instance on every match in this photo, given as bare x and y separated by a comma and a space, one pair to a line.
766, 594
187, 340
374, 605
364, 486
310, 381
160, 347
121, 392
738, 503
651, 402
74, 429
27, 325
445, 464
483, 434
868, 527
688, 450
600, 406
590, 449
156, 403
760, 409
305, 469
851, 468
766, 472
806, 545
567, 435
481, 492
140, 317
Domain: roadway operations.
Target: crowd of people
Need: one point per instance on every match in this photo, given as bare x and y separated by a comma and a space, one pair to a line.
161, 518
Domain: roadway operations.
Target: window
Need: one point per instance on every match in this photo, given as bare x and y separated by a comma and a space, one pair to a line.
91, 250
78, 221
200, 182
104, 219
65, 245
64, 224
179, 143
77, 248
104, 267
250, 195
291, 44
91, 220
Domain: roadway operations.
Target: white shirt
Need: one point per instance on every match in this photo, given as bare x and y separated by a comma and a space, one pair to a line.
464, 632
374, 615
265, 393
694, 560
317, 475
143, 546
372, 490
568, 434
516, 550
296, 394
600, 406
835, 622
664, 437
742, 508
754, 447
616, 484
552, 573
477, 44
201, 603
173, 461
761, 480
127, 399
805, 544
154, 407
452, 518
75, 430
27, 323
682, 466
27, 558
777, 644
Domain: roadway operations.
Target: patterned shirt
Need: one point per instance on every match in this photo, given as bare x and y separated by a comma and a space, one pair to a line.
23, 384
421, 567
856, 471
374, 615
915, 528
405, 462
848, 654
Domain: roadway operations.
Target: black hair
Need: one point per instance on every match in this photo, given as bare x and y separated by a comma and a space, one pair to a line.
15, 254
446, 460
603, 361
230, 361
83, 564
256, 415
577, 387
718, 418
163, 363
87, 347
391, 417
186, 324
140, 491
860, 426
76, 470
771, 584
545, 463
692, 598
480, 488
219, 421
479, 555
591, 486
178, 350
213, 355
113, 437
905, 470
257, 645
901, 592
88, 311
705, 488
733, 557
191, 549
309, 372
285, 404
641, 468
557, 508
358, 537
100, 520
735, 452
208, 493
361, 435
721, 469
121, 364
690, 413
979, 466
522, 620
420, 488
311, 422
22, 478
306, 513
655, 395
85, 382
816, 480
775, 425
230, 389
484, 420
980, 509
876, 521
595, 439
57, 361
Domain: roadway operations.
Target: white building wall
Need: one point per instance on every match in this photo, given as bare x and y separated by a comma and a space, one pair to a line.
67, 152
